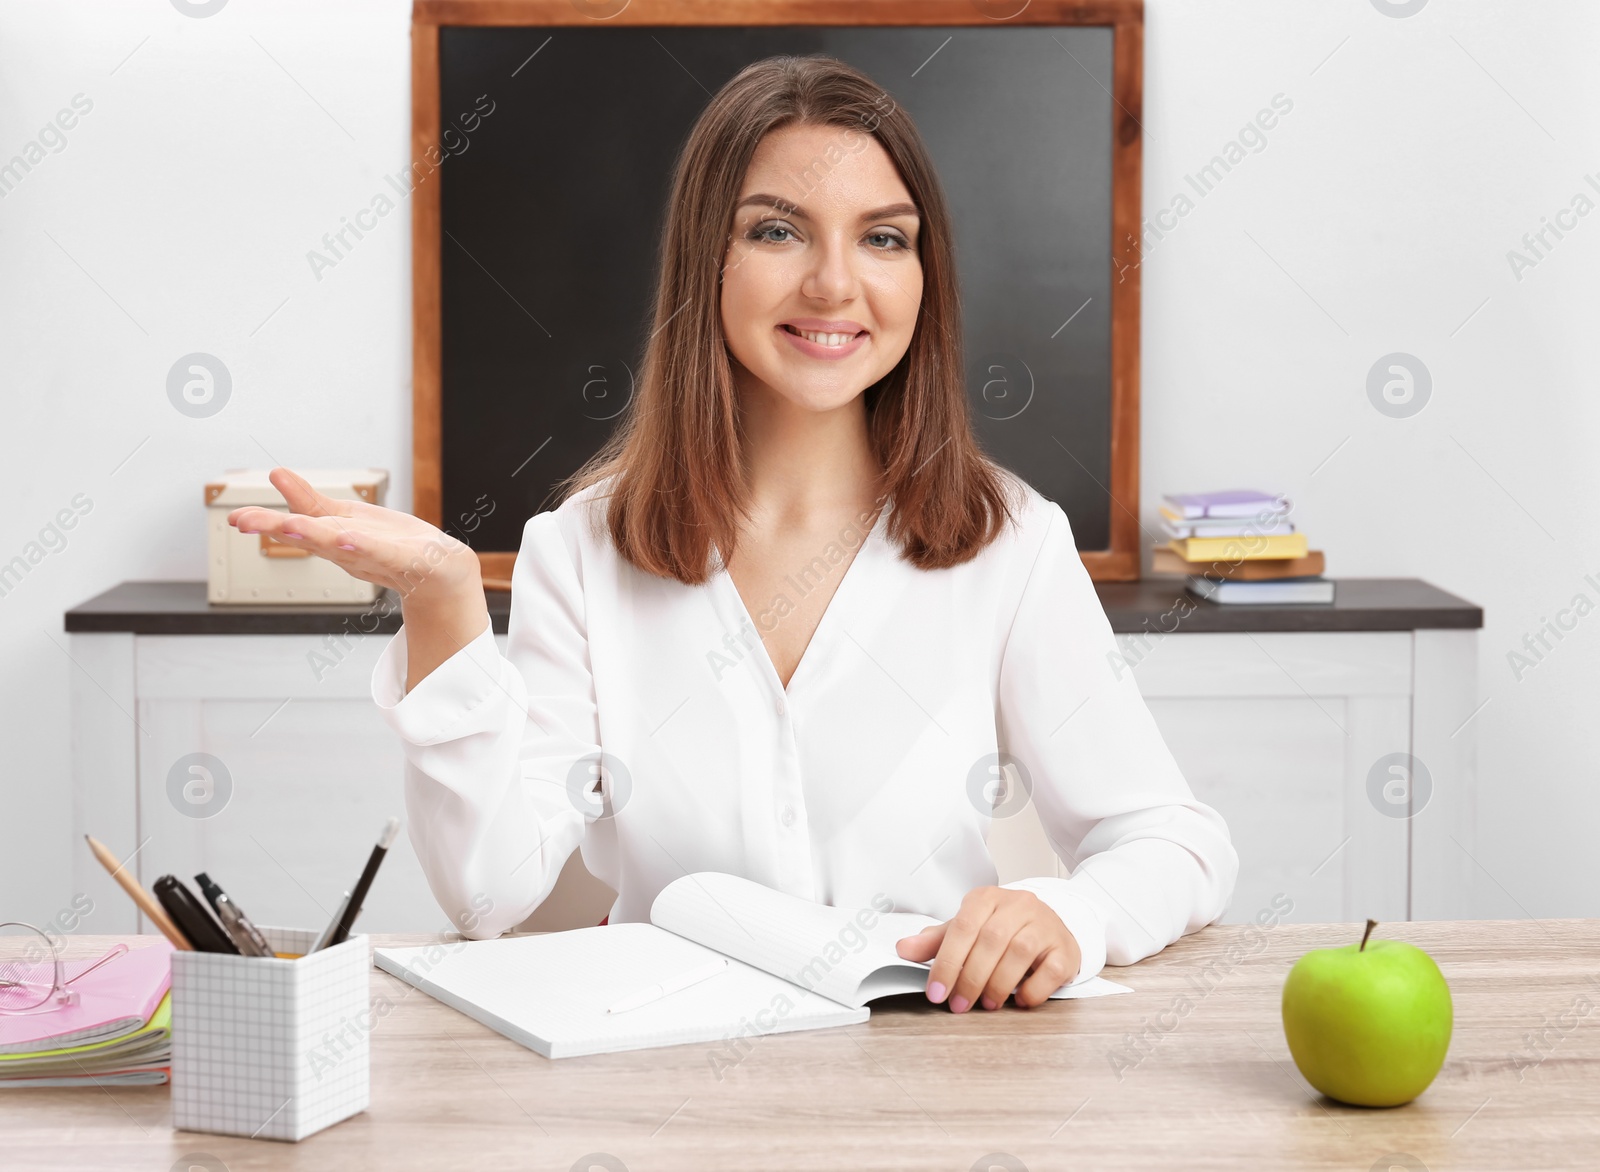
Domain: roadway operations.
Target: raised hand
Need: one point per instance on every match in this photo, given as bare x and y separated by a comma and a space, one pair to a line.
383, 546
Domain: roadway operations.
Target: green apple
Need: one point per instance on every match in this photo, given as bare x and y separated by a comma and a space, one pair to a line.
1368, 1024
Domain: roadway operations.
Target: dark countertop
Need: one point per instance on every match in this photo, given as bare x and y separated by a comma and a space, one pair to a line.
1150, 605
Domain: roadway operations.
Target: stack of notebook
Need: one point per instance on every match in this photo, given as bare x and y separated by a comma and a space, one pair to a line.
1239, 545
118, 1032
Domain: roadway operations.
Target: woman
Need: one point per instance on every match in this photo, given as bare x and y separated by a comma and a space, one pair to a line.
806, 618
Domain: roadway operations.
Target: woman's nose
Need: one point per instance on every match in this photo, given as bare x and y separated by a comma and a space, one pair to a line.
833, 275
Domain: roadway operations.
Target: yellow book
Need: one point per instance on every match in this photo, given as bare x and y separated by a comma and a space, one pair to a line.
1239, 548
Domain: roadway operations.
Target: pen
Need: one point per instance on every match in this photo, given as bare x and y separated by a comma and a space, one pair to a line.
333, 925
139, 895
359, 893
238, 926
191, 917
682, 981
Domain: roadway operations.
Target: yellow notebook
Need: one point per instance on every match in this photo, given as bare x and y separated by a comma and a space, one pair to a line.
1239, 548
150, 1042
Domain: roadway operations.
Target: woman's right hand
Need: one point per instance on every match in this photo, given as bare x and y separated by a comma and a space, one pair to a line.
383, 546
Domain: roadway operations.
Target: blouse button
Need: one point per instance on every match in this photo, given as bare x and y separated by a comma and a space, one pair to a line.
788, 815
781, 708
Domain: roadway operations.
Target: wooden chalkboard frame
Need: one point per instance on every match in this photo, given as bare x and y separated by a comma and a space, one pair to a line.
1120, 561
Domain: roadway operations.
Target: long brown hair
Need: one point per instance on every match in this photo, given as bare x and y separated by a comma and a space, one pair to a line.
679, 481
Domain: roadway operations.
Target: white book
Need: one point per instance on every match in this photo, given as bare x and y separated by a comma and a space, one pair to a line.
1235, 502
1227, 526
793, 965
1262, 590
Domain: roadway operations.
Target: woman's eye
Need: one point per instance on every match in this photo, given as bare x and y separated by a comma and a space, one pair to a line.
894, 241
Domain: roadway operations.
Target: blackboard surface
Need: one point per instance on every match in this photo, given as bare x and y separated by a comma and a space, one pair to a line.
552, 212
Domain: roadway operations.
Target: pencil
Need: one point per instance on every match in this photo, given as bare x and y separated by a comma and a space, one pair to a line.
140, 896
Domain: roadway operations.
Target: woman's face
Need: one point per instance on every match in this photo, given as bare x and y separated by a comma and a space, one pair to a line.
824, 242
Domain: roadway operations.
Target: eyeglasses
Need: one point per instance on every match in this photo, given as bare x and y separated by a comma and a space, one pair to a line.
30, 983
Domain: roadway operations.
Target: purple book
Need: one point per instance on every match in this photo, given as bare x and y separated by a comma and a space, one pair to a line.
1233, 502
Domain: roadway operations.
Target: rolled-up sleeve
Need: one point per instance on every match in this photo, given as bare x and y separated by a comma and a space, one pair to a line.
499, 748
1147, 862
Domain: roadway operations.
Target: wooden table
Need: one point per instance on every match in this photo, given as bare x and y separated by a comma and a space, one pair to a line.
1210, 1085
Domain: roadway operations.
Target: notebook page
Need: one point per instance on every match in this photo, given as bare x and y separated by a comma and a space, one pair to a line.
114, 999
149, 1076
846, 954
551, 992
832, 950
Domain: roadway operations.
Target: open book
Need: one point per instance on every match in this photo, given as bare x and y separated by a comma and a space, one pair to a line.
794, 965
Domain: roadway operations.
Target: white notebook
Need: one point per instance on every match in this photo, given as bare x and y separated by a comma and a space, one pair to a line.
794, 965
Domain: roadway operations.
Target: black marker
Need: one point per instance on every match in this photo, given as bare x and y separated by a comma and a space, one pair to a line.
358, 894
191, 916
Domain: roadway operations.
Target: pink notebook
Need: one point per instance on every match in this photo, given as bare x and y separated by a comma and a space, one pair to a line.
115, 999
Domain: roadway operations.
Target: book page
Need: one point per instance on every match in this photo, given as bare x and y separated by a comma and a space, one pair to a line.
846, 954
551, 992
830, 950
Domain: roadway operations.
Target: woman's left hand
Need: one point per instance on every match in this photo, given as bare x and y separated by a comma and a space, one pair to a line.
998, 937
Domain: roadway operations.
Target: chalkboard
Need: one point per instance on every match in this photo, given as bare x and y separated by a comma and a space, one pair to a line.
550, 212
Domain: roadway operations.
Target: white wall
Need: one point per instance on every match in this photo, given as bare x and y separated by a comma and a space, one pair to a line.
177, 219
1377, 219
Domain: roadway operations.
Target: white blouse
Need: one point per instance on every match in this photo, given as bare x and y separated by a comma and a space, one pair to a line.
872, 775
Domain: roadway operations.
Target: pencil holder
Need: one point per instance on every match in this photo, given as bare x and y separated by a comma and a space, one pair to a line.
267, 1047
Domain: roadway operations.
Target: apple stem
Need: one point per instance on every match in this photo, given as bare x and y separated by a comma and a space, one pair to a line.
1371, 924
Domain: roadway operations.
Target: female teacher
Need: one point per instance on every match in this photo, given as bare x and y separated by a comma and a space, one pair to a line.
811, 626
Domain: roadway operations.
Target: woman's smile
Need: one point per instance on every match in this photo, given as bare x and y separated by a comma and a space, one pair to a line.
824, 339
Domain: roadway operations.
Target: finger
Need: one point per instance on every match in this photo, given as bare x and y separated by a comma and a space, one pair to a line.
303, 498
961, 933
321, 535
954, 955
923, 945
1020, 956
250, 518
253, 519
989, 945
260, 519
1058, 966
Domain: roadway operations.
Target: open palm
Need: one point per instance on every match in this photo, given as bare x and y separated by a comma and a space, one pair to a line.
375, 544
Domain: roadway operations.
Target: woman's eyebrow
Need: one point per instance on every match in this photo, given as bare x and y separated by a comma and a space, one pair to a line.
790, 208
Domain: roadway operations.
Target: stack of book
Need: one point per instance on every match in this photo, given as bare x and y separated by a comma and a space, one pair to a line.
1239, 545
113, 1028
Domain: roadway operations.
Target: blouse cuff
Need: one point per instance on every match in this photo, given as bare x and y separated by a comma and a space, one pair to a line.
427, 713
1080, 916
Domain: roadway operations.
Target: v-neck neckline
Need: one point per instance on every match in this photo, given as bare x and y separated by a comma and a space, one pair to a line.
824, 623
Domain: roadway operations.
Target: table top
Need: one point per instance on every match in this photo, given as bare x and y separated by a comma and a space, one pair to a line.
1150, 605
1191, 1071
